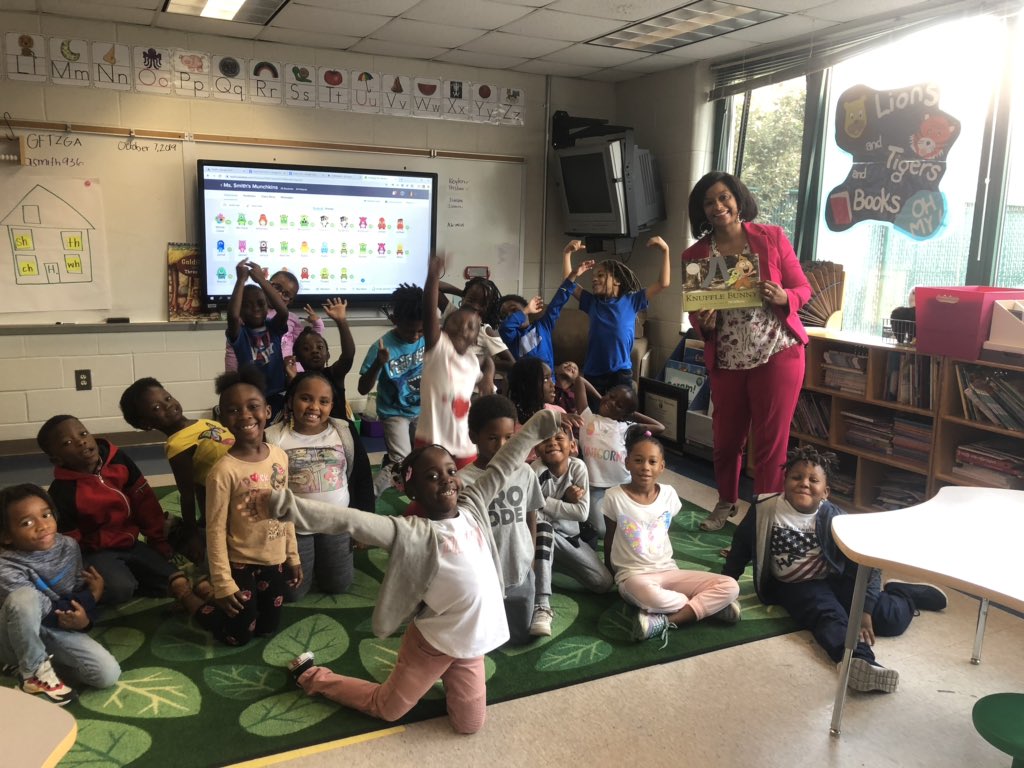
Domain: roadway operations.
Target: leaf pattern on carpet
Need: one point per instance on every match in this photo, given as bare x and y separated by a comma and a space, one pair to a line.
177, 640
111, 613
285, 713
574, 653
362, 594
380, 558
149, 692
104, 744
566, 610
321, 634
122, 642
244, 682
616, 623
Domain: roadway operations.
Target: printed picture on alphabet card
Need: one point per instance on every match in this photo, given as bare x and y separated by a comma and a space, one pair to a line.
721, 282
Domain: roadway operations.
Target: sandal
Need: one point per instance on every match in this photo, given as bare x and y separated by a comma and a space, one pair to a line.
716, 520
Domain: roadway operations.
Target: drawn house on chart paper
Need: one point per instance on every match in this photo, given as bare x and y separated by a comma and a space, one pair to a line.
50, 240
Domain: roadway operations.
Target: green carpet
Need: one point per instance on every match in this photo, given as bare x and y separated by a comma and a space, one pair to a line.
184, 700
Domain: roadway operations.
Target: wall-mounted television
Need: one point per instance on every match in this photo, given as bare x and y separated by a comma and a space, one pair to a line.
356, 233
609, 186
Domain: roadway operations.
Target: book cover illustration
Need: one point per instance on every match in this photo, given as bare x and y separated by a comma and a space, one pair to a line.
721, 282
184, 284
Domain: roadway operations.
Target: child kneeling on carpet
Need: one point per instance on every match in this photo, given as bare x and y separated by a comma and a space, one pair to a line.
798, 565
639, 552
444, 578
48, 601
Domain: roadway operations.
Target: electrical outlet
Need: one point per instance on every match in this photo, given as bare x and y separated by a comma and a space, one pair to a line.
83, 379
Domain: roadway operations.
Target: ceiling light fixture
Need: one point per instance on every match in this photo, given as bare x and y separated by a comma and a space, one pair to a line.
684, 26
244, 11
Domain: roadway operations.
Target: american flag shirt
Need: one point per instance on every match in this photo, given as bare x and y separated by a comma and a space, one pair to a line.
795, 549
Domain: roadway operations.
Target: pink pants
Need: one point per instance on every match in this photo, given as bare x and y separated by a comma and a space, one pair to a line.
671, 591
764, 397
418, 667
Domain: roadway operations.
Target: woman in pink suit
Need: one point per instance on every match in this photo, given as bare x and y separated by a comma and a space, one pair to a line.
754, 356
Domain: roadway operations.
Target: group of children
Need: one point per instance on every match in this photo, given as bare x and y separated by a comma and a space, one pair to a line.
504, 488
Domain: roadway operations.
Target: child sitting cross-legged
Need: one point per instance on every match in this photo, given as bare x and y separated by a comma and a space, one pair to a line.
444, 577
48, 601
798, 565
638, 550
512, 510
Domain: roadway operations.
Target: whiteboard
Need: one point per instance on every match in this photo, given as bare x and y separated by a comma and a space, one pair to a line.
148, 189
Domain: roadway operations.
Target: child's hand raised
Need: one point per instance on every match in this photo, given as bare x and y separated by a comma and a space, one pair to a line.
436, 266
574, 245
290, 370
657, 242
535, 305
382, 353
336, 309
256, 273
242, 269
76, 618
585, 266
311, 315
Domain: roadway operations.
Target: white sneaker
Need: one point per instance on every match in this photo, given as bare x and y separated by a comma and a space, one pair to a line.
540, 626
865, 676
44, 682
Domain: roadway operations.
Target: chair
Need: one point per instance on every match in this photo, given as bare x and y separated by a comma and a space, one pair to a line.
570, 334
999, 718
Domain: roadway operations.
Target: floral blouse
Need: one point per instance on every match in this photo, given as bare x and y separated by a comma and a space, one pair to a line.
749, 336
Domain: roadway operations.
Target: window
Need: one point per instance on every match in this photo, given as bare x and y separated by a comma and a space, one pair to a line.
1009, 266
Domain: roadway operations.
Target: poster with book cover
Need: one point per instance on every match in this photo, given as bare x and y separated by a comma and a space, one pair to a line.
184, 284
721, 282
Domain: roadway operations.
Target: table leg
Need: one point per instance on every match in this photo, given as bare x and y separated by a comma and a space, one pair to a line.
860, 589
979, 634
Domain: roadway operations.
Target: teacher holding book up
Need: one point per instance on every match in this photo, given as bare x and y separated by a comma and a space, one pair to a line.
754, 354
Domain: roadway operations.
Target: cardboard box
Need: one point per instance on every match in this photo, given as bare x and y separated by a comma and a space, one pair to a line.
955, 321
1007, 334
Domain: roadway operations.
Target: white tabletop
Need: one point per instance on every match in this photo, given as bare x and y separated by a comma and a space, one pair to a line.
36, 732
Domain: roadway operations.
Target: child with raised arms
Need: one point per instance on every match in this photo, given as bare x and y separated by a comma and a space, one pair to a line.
512, 511
616, 300
192, 447
252, 561
481, 296
326, 462
311, 353
47, 601
798, 565
638, 550
444, 578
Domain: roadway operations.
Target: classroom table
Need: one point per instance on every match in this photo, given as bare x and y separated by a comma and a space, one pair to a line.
36, 732
966, 538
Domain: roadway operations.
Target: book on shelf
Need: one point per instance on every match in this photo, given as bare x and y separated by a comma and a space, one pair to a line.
899, 489
855, 361
992, 396
812, 415
722, 282
1002, 455
986, 476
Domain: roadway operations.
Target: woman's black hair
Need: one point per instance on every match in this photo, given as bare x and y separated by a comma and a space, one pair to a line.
628, 281
246, 374
492, 298
406, 304
639, 433
12, 494
827, 460
131, 400
407, 468
745, 202
526, 387
488, 408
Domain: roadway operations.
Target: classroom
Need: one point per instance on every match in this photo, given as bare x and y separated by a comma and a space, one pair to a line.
839, 118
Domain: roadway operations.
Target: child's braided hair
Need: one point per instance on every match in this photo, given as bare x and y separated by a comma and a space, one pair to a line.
492, 298
526, 387
827, 460
406, 305
628, 281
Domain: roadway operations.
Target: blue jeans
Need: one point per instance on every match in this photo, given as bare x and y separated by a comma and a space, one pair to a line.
126, 571
595, 516
328, 558
26, 642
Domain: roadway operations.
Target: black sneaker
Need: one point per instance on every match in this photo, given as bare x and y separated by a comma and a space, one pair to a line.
924, 597
300, 664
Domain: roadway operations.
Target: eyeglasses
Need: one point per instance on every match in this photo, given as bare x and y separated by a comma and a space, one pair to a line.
286, 293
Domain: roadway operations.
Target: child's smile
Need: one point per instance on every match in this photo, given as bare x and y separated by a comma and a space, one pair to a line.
311, 405
436, 483
806, 487
244, 411
31, 525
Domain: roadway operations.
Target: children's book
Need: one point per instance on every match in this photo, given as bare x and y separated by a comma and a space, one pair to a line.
721, 282
184, 284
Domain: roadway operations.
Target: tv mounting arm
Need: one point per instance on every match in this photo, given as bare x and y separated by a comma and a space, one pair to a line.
566, 129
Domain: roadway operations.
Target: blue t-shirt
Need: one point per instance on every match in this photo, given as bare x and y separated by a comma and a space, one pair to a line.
535, 339
398, 383
262, 348
612, 327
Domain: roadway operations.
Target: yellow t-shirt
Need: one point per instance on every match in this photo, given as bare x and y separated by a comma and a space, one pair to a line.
211, 440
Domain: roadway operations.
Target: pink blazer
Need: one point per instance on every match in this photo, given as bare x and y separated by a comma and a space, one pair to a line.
778, 262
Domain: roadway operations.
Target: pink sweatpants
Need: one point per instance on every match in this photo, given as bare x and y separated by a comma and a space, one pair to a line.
418, 667
671, 591
765, 398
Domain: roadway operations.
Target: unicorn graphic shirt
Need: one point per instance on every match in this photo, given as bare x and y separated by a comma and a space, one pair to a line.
641, 543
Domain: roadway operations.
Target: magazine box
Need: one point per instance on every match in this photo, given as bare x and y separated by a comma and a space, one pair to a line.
1007, 334
955, 321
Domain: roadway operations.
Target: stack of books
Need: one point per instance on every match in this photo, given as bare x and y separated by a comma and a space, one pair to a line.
846, 371
813, 415
841, 484
991, 396
910, 380
899, 490
994, 462
871, 430
912, 438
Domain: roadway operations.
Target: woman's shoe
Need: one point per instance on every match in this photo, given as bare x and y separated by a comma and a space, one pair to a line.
716, 520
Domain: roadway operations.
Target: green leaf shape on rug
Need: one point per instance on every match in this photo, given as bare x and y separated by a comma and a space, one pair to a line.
284, 714
697, 545
564, 582
379, 658
178, 640
122, 642
362, 594
574, 653
244, 682
566, 610
105, 744
380, 558
135, 605
322, 635
616, 623
171, 502
148, 692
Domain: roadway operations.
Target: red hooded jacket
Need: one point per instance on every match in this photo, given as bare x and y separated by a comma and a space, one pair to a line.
108, 509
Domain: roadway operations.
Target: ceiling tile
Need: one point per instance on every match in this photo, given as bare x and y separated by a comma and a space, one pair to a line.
298, 16
398, 49
371, 7
207, 26
842, 10
541, 67
561, 26
486, 60
623, 10
97, 11
785, 28
594, 55
424, 33
504, 44
149, 5
722, 45
479, 13
307, 39
612, 75
784, 6
655, 63
19, 5
527, 3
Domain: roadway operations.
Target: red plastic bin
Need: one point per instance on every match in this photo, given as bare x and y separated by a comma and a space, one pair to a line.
955, 321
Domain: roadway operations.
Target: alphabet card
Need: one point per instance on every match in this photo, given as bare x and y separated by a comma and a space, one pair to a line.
112, 66
191, 74
365, 91
332, 87
300, 90
153, 70
69, 62
396, 96
427, 97
25, 57
227, 78
265, 83
456, 102
483, 102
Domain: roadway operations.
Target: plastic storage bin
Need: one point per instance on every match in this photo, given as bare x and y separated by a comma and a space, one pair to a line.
955, 321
